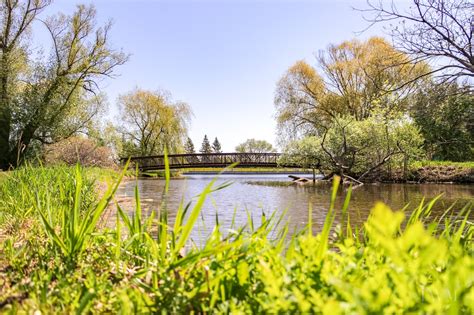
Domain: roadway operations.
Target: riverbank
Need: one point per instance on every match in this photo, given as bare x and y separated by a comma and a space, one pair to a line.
418, 172
433, 172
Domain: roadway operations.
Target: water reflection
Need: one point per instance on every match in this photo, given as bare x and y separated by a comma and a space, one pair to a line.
250, 194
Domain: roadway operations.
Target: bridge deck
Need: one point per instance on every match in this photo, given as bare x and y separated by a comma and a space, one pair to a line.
208, 160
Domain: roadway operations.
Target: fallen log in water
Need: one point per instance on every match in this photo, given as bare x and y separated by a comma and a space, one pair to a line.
299, 180
294, 177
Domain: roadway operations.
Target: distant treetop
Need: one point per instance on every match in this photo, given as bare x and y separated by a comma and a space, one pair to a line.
255, 146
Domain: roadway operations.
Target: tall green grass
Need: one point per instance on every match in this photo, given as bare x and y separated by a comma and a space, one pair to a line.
394, 263
28, 188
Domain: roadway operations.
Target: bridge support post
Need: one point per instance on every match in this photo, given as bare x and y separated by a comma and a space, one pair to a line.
314, 176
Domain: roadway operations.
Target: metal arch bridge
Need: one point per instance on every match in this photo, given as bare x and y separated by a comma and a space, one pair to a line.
206, 160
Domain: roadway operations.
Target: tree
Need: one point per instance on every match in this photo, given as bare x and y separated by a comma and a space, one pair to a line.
152, 122
16, 20
357, 79
357, 149
216, 146
45, 100
445, 114
255, 146
206, 146
440, 31
189, 146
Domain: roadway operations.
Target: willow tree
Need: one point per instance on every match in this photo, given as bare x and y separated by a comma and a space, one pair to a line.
354, 79
153, 121
50, 98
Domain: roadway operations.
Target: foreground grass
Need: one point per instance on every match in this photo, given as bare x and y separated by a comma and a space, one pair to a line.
3, 176
54, 259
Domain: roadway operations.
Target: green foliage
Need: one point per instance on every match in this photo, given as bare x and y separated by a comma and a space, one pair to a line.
445, 115
28, 188
67, 228
387, 266
357, 148
306, 152
255, 146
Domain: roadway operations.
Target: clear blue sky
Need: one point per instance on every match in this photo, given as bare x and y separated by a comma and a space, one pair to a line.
223, 58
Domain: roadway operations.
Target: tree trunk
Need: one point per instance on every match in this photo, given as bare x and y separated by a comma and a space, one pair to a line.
5, 116
17, 154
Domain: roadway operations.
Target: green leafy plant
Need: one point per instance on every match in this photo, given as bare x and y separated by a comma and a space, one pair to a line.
73, 227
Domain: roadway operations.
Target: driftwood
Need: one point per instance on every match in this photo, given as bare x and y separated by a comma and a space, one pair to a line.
299, 180
294, 177
345, 178
359, 183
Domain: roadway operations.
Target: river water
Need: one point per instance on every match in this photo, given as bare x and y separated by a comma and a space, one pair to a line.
257, 194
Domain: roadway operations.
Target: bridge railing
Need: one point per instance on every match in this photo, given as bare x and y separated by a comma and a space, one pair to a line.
206, 160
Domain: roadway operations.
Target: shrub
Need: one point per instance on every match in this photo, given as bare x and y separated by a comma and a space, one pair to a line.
79, 150
357, 148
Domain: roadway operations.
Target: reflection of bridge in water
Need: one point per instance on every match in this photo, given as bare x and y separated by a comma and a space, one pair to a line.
207, 160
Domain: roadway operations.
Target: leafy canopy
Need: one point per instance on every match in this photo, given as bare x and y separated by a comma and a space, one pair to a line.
445, 115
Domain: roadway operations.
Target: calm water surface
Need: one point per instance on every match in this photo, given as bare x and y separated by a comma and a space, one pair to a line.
259, 194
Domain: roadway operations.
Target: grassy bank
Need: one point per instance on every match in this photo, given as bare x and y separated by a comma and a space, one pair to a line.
54, 258
466, 165
3, 175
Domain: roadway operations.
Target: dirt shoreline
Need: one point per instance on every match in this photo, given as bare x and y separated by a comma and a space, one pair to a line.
434, 174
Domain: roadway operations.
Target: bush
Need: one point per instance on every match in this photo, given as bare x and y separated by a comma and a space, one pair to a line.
79, 150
